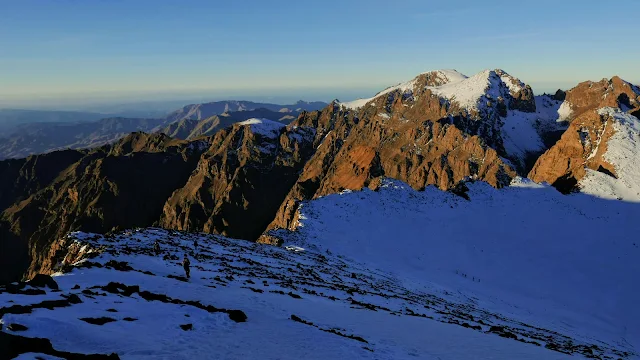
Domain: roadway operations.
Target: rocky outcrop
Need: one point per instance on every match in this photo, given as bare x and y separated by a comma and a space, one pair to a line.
240, 182
581, 148
414, 137
589, 96
560, 95
595, 111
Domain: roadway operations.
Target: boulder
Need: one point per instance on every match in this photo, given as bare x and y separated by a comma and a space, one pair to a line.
42, 280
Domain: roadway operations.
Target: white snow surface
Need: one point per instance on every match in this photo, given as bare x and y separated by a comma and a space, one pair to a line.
566, 263
425, 275
399, 312
467, 93
565, 111
623, 149
475, 92
264, 127
521, 130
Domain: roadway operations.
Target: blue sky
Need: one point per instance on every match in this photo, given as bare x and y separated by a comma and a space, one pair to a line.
115, 50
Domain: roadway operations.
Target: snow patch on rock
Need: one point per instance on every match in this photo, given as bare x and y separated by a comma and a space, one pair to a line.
565, 111
522, 131
622, 152
264, 127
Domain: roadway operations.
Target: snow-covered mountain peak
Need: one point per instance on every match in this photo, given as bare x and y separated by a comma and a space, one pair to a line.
429, 78
472, 94
478, 91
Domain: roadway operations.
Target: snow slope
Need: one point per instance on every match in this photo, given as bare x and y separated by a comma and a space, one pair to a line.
622, 152
567, 263
521, 131
298, 304
468, 92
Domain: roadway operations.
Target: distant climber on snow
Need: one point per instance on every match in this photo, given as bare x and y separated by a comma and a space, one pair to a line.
195, 244
156, 247
185, 264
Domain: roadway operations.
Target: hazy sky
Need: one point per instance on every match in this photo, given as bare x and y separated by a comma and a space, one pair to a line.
129, 50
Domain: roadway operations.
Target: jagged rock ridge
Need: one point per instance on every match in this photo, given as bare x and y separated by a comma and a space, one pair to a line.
440, 129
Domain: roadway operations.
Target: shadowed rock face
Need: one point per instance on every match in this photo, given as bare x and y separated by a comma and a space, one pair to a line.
240, 182
570, 155
20, 178
119, 186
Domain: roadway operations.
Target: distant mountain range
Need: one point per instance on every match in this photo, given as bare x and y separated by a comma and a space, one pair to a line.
34, 132
10, 119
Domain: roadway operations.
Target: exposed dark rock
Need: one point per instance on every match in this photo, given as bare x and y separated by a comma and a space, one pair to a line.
14, 345
237, 315
566, 184
560, 95
606, 171
102, 189
42, 280
333, 331
17, 327
98, 321
186, 327
20, 288
503, 332
118, 265
74, 299
117, 288
178, 277
26, 309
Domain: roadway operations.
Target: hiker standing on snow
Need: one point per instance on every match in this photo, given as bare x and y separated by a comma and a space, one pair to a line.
156, 247
185, 264
195, 244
